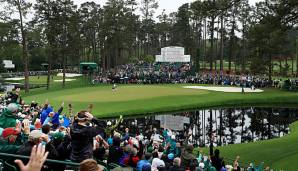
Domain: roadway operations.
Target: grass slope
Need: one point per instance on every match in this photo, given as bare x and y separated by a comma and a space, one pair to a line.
279, 154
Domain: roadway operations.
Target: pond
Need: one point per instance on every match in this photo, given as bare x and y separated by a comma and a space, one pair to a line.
222, 126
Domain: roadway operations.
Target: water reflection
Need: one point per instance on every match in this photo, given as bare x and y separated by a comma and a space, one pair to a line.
219, 126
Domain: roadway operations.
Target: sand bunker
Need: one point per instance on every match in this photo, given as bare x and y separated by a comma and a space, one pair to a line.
14, 79
69, 75
67, 80
225, 89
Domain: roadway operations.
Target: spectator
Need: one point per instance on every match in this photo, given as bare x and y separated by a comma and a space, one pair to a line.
116, 150
217, 162
176, 165
143, 162
9, 116
132, 159
188, 159
156, 162
82, 136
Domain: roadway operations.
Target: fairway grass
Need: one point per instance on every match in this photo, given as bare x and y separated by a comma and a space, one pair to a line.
130, 100
125, 93
152, 99
279, 153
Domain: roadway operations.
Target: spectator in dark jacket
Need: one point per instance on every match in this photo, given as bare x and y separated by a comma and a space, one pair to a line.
35, 138
116, 150
176, 165
188, 159
82, 136
217, 162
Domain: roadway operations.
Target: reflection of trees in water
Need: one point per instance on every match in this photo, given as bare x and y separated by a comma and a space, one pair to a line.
224, 126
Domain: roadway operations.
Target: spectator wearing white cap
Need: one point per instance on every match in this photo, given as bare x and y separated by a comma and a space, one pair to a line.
156, 162
9, 116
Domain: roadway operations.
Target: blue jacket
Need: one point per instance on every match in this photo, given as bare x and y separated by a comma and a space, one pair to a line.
45, 113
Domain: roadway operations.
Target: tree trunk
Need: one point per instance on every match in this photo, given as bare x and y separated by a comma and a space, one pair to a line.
217, 45
280, 67
242, 124
49, 74
292, 66
210, 134
220, 127
64, 68
25, 49
297, 60
286, 66
205, 43
243, 68
231, 54
221, 45
212, 42
270, 67
296, 57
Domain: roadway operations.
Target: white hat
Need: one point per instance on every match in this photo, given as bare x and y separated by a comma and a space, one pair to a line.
35, 134
156, 162
202, 165
173, 137
12, 107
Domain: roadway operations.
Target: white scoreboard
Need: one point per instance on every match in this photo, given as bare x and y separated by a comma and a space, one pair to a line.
172, 54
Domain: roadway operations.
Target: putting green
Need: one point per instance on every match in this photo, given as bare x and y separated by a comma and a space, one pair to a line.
150, 99
123, 93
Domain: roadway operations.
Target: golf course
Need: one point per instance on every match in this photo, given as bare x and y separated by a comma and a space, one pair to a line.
131, 100
140, 100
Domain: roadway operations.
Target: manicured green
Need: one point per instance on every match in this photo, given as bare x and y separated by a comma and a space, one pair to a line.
150, 99
144, 99
279, 153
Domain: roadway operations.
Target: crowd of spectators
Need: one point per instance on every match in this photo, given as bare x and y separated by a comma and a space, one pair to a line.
157, 73
44, 131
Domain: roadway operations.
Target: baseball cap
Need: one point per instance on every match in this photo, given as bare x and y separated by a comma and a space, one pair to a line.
12, 107
35, 134
171, 156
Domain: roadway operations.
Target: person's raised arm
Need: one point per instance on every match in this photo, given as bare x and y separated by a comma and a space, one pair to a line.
46, 104
100, 125
61, 108
37, 158
117, 123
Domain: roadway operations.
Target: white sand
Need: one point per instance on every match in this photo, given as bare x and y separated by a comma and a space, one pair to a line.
14, 79
69, 75
67, 80
225, 89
